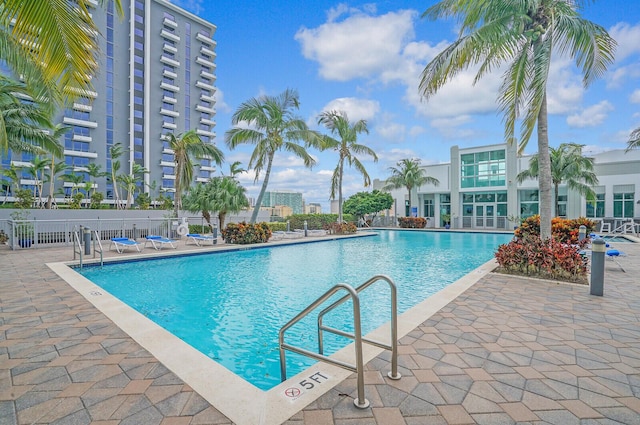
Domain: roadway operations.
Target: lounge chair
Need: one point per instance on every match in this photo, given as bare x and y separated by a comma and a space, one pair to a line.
158, 242
198, 238
123, 243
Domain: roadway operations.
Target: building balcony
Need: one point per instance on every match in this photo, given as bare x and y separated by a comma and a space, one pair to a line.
205, 62
201, 132
208, 75
208, 110
167, 150
169, 48
206, 40
207, 121
167, 163
81, 107
205, 86
84, 93
169, 99
79, 138
207, 168
169, 113
171, 36
169, 61
169, 125
208, 98
202, 179
169, 176
69, 152
170, 23
81, 123
171, 87
205, 50
169, 74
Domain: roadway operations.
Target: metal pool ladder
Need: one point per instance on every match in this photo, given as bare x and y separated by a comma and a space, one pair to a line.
353, 295
78, 248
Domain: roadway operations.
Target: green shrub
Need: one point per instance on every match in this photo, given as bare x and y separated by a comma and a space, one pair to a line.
96, 200
316, 221
197, 228
277, 226
246, 233
412, 222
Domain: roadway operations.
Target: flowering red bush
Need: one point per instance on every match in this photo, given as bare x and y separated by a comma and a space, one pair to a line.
412, 222
562, 229
551, 259
246, 233
340, 228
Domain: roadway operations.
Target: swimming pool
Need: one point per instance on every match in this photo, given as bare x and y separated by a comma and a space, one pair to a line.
230, 305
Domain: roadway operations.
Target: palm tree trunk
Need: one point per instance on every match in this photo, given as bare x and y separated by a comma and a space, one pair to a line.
114, 183
51, 183
177, 198
544, 171
254, 216
340, 191
556, 196
221, 216
405, 209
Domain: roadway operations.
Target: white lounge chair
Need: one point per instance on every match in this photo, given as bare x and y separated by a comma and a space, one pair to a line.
158, 242
123, 243
198, 238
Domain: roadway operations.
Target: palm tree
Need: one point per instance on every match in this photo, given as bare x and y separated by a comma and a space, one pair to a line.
236, 168
634, 140
51, 44
55, 168
222, 194
115, 152
408, 174
521, 35
272, 127
36, 169
93, 170
185, 146
13, 184
130, 182
567, 165
347, 147
22, 123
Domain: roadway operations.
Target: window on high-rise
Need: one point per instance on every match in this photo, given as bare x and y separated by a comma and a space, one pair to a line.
483, 169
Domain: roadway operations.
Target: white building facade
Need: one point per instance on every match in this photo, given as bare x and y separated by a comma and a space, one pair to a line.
478, 189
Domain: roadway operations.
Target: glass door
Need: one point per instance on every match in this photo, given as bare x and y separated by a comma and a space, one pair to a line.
490, 216
480, 216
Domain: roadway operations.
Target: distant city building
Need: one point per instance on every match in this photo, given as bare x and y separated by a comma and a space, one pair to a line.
313, 208
289, 198
280, 211
156, 76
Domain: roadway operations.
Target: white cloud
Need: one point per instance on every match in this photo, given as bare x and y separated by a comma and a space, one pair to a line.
627, 37
635, 96
416, 131
359, 46
221, 105
193, 6
592, 116
356, 109
392, 131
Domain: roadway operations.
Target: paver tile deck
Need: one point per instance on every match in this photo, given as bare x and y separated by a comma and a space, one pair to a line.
507, 350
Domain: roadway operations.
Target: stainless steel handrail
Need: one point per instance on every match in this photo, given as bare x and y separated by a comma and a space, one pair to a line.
97, 241
97, 246
393, 347
76, 243
361, 401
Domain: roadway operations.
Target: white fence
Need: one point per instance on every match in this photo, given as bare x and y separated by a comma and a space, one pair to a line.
51, 233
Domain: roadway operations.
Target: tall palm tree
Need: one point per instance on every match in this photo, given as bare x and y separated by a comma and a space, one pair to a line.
271, 126
634, 140
50, 43
185, 147
236, 168
131, 182
93, 170
337, 122
567, 166
36, 169
521, 35
55, 168
222, 194
408, 174
115, 152
13, 184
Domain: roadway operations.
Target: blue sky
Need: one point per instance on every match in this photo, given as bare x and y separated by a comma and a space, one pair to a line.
366, 58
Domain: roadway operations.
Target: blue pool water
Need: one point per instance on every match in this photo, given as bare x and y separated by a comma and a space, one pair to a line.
231, 305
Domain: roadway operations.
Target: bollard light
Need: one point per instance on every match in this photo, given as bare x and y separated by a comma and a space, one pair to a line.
598, 248
582, 232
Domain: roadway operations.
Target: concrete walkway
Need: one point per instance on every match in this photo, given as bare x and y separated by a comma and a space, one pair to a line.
509, 350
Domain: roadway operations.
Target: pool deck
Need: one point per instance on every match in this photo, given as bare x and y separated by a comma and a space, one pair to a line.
507, 350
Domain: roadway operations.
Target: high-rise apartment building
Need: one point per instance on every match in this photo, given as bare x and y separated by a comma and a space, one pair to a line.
156, 76
289, 198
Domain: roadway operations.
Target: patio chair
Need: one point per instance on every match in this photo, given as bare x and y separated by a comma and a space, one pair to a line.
198, 239
123, 243
158, 242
